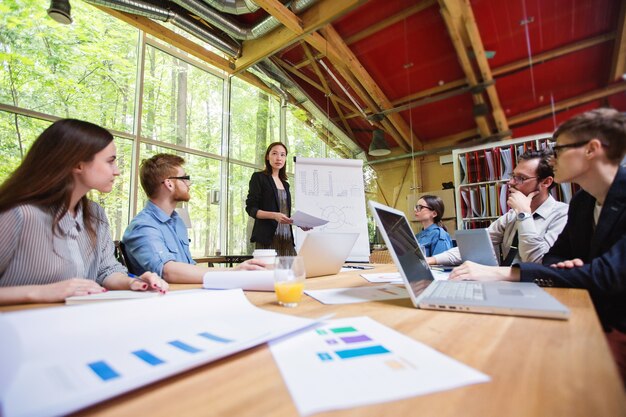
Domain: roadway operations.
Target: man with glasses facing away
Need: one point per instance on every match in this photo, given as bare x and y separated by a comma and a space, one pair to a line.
531, 226
591, 251
156, 239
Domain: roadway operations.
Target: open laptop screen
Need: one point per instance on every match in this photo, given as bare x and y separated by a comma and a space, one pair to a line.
403, 243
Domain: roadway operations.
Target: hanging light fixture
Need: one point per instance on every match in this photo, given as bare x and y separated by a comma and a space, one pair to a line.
60, 11
378, 146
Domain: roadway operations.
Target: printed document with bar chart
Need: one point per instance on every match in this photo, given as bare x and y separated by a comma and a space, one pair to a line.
357, 361
58, 360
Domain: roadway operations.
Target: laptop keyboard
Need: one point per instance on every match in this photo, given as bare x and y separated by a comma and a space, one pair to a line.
457, 291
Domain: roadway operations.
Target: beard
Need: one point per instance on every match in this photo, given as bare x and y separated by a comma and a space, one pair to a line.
181, 195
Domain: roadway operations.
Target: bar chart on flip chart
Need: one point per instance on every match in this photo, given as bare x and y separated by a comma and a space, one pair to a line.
333, 190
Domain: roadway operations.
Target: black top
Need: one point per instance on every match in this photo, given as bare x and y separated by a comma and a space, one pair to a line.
263, 195
602, 248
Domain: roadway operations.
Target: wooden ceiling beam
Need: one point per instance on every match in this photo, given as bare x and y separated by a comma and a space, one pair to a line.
314, 84
567, 104
552, 54
282, 14
481, 59
327, 91
371, 30
452, 16
170, 37
377, 27
318, 15
618, 64
503, 70
357, 70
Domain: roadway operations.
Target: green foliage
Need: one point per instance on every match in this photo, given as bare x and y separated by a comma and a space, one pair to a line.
88, 70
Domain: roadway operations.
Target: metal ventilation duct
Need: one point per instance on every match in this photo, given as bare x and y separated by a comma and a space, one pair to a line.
233, 6
183, 22
233, 28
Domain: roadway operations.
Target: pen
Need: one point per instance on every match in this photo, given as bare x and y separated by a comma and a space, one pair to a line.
357, 267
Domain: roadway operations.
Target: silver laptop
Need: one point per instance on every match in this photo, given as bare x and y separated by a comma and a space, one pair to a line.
509, 298
475, 245
325, 253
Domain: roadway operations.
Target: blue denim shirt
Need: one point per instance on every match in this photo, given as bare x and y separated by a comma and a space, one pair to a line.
434, 239
153, 238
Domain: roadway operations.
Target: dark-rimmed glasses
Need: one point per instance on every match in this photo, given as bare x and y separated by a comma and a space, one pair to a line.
182, 178
519, 179
555, 148
419, 207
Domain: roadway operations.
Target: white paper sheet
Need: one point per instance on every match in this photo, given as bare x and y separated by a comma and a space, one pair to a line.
58, 360
118, 295
303, 219
392, 277
247, 280
357, 361
395, 278
358, 294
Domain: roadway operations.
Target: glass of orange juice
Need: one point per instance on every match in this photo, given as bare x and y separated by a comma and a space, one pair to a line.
289, 277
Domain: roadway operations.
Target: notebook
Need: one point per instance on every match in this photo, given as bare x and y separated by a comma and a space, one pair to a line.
117, 295
508, 298
325, 253
475, 245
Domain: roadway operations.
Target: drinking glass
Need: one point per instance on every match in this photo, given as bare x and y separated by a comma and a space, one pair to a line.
289, 277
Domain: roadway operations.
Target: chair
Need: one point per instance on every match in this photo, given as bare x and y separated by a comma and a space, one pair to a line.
121, 256
380, 257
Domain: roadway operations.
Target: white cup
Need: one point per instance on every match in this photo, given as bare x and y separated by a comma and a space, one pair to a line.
267, 256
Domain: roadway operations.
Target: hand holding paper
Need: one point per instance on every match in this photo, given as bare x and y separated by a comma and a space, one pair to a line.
304, 220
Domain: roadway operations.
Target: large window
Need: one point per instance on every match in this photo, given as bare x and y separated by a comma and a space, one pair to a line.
89, 70
301, 138
254, 122
86, 70
182, 104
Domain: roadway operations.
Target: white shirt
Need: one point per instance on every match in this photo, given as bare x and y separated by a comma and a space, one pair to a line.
536, 235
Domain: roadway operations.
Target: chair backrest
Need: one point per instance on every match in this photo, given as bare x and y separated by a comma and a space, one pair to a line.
380, 257
120, 255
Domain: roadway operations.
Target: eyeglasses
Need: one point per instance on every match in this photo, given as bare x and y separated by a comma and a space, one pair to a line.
186, 178
419, 207
519, 179
556, 147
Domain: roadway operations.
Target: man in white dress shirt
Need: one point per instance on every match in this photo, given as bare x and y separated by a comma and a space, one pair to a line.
535, 220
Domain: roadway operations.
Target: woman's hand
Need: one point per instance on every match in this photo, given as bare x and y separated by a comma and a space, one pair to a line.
59, 291
282, 219
149, 281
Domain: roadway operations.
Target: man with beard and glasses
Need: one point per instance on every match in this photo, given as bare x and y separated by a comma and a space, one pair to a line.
528, 230
156, 239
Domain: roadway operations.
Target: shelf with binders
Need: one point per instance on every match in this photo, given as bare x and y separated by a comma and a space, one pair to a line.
481, 176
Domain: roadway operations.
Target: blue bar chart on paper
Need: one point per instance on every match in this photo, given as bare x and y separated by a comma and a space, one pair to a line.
358, 361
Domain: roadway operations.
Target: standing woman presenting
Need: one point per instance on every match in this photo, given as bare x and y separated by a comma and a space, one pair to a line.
434, 237
269, 203
54, 241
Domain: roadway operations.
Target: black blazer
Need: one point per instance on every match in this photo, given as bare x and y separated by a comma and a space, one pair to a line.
603, 251
263, 195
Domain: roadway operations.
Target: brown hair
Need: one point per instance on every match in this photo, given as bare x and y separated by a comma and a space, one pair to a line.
44, 178
436, 204
544, 169
282, 173
155, 170
606, 125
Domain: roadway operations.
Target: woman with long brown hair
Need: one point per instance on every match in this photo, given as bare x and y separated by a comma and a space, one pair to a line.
55, 242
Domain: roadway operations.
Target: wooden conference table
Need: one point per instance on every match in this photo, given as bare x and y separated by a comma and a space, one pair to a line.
538, 367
